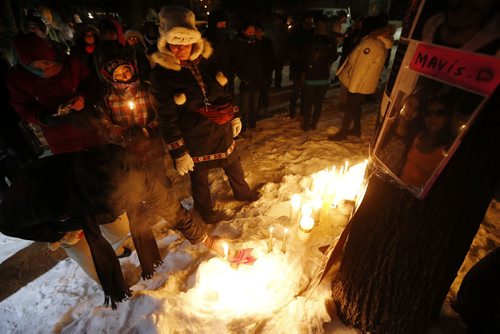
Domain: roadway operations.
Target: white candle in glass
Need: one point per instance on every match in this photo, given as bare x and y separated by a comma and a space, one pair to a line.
283, 244
305, 227
271, 239
316, 205
306, 211
294, 208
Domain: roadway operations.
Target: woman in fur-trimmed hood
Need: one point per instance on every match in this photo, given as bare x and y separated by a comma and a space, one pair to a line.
193, 103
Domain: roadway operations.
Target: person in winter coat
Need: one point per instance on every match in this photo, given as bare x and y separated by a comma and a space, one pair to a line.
478, 298
360, 73
77, 201
127, 117
86, 49
296, 54
247, 63
218, 37
278, 35
18, 144
193, 103
268, 65
49, 91
321, 52
136, 49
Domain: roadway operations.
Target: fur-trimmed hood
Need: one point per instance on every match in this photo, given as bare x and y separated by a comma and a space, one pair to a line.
165, 58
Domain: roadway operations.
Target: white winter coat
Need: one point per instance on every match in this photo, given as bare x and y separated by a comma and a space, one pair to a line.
361, 70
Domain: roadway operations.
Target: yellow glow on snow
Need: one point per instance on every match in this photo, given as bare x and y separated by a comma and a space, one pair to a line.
229, 292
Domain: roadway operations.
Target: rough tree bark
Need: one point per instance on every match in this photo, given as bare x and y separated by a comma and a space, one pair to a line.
402, 253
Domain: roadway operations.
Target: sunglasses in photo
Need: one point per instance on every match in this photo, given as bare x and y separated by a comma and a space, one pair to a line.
437, 112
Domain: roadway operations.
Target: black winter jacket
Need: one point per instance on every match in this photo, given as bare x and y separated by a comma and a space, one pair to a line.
246, 58
320, 53
183, 129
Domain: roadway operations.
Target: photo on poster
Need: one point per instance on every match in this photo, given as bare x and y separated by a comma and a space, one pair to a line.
422, 129
470, 25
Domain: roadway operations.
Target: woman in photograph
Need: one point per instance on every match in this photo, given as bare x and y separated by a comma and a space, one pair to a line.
430, 146
402, 129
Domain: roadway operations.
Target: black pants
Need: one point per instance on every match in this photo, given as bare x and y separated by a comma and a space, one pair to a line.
313, 97
353, 111
278, 72
200, 187
297, 90
249, 101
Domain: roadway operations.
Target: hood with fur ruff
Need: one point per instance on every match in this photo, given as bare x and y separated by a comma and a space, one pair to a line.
165, 58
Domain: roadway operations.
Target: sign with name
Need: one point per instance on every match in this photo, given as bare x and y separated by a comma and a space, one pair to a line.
475, 72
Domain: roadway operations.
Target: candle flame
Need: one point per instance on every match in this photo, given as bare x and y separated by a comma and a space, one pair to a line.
131, 105
295, 202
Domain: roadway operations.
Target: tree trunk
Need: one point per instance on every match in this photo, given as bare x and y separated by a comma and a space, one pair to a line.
403, 254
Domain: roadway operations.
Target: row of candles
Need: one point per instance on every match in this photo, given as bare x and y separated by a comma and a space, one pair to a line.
327, 188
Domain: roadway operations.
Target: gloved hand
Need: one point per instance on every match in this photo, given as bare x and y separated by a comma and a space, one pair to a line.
184, 164
236, 125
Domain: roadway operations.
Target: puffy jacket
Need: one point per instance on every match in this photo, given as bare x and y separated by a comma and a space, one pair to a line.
361, 71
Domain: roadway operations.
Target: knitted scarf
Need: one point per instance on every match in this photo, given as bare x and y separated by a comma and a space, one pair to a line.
106, 263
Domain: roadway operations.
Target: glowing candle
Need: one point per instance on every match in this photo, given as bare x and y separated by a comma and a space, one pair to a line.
306, 211
271, 239
306, 224
305, 227
226, 250
316, 204
294, 208
131, 104
283, 244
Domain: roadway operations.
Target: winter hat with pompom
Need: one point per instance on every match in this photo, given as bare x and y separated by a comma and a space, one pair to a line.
177, 26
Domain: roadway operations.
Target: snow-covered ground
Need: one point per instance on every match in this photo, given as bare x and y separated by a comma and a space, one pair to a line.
195, 291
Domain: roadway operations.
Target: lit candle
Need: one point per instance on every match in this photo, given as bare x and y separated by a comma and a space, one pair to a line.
306, 211
316, 204
305, 227
270, 239
346, 166
283, 244
131, 104
225, 246
294, 208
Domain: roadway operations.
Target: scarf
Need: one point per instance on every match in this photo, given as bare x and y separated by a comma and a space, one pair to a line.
106, 263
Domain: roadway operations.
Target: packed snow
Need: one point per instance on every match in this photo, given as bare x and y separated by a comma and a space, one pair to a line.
196, 291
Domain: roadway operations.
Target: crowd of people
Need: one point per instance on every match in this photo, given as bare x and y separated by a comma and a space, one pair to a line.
112, 103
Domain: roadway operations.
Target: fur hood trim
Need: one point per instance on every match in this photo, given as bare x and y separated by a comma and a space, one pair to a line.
165, 58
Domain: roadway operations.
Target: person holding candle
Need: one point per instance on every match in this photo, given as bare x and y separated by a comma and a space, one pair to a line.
193, 101
128, 118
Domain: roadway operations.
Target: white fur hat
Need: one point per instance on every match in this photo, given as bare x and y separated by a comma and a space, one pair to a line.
177, 26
